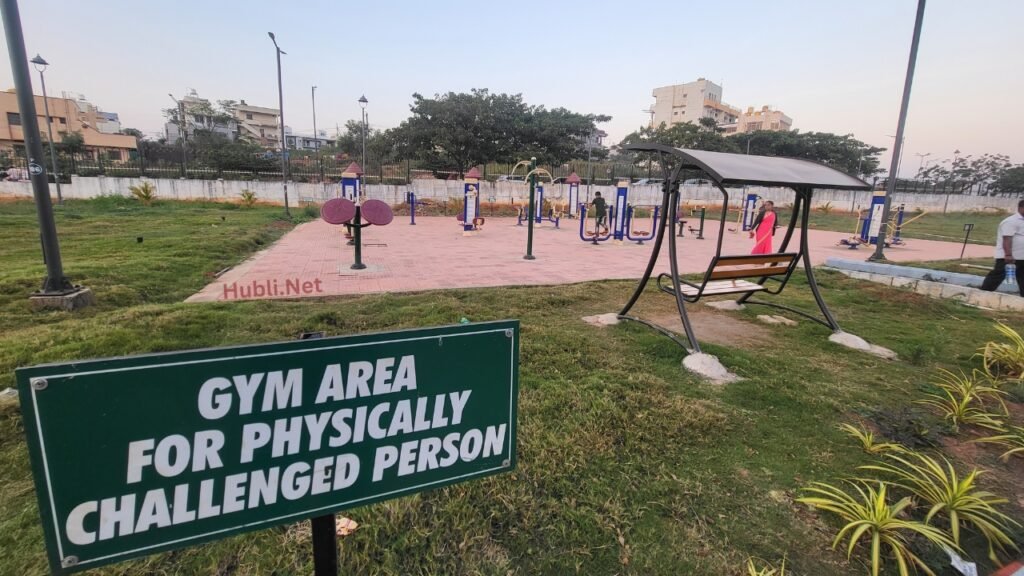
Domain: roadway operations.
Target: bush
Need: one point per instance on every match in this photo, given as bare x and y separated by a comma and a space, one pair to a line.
144, 192
311, 211
248, 198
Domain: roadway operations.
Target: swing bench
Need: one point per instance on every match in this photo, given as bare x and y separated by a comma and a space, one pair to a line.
740, 275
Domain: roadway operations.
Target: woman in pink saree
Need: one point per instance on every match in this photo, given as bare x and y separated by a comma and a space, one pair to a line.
764, 229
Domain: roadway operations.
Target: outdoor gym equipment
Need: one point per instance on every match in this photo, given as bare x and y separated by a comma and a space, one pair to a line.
594, 236
639, 236
410, 199
342, 211
727, 274
539, 215
699, 232
869, 222
574, 194
469, 218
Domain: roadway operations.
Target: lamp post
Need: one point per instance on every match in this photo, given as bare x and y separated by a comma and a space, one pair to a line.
897, 152
316, 139
41, 65
57, 291
182, 134
920, 166
362, 104
749, 140
280, 105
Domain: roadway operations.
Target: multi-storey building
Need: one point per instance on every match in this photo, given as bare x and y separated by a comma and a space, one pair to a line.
66, 116
763, 119
259, 124
689, 103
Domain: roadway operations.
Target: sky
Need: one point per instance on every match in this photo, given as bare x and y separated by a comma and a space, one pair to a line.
833, 65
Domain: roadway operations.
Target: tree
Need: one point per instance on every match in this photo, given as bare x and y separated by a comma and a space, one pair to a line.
72, 143
133, 132
458, 130
709, 124
842, 152
683, 135
965, 172
1011, 181
217, 151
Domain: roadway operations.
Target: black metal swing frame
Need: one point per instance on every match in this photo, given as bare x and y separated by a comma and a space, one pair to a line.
724, 169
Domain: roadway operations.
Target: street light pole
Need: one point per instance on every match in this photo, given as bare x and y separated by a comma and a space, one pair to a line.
41, 67
890, 187
182, 134
749, 140
316, 139
920, 165
55, 284
362, 104
280, 104
590, 165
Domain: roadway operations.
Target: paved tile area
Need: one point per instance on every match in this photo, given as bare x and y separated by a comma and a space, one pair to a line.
313, 260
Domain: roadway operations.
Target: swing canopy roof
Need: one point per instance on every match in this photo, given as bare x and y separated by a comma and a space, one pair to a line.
729, 169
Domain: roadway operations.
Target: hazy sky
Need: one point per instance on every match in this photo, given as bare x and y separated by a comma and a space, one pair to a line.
831, 65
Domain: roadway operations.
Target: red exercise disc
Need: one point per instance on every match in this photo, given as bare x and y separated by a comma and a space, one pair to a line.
338, 211
377, 212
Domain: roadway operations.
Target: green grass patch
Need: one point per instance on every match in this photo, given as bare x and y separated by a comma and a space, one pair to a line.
627, 464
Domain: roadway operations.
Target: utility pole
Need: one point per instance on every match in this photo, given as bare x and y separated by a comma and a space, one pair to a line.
316, 139
280, 104
890, 187
182, 133
57, 291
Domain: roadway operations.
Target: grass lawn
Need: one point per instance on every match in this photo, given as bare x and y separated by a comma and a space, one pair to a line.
627, 464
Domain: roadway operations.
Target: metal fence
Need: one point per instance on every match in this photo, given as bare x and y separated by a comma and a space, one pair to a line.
307, 167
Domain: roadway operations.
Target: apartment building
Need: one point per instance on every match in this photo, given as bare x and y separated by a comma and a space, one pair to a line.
259, 124
306, 141
689, 103
763, 119
66, 116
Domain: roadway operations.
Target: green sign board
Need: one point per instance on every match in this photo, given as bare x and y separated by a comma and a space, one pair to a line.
136, 455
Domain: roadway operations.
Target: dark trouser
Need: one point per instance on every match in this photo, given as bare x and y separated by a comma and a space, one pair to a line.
600, 221
998, 274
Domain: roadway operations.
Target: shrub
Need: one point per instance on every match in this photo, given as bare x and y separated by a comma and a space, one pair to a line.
956, 498
869, 517
867, 439
248, 198
962, 401
1004, 359
1013, 440
825, 208
766, 570
311, 211
144, 192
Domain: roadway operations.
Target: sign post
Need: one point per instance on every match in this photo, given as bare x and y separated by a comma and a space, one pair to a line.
142, 454
967, 234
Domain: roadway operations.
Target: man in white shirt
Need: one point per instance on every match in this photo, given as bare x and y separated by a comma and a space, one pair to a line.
1009, 249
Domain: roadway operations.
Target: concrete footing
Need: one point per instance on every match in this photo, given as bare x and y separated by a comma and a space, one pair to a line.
725, 305
609, 319
857, 343
709, 367
70, 302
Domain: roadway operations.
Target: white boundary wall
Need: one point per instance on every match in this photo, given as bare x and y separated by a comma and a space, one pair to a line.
502, 192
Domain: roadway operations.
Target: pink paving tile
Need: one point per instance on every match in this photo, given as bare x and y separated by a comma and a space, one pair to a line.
434, 254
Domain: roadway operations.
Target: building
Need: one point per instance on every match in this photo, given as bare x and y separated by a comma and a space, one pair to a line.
259, 124
199, 114
689, 103
306, 141
763, 119
66, 116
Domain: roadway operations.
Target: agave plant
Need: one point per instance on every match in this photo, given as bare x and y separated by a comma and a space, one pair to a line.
958, 499
870, 517
144, 192
978, 385
766, 570
867, 439
1004, 359
1013, 440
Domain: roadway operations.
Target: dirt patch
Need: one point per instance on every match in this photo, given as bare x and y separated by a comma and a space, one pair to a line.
718, 328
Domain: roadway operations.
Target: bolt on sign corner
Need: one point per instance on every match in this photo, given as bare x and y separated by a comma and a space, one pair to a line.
136, 455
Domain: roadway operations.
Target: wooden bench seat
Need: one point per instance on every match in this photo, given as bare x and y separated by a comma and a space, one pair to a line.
722, 287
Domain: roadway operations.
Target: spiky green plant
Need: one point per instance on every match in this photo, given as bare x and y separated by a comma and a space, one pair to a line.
870, 517
144, 192
1004, 360
766, 570
958, 499
1013, 440
962, 400
248, 198
867, 439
